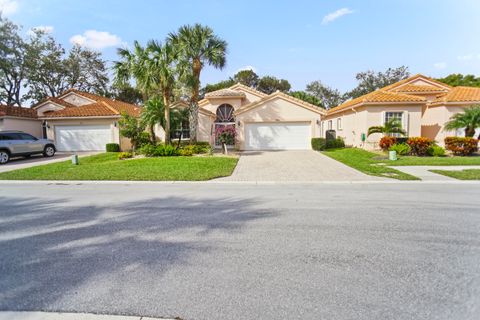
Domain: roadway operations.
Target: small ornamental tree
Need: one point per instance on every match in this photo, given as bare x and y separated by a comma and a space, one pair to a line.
132, 128
226, 136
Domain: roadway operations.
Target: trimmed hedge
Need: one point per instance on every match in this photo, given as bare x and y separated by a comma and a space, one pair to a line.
319, 144
335, 144
112, 147
419, 145
463, 146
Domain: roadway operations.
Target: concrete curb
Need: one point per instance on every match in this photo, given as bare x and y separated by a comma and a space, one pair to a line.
213, 182
38, 315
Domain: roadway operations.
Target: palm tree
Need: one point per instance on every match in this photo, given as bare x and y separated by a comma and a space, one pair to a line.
162, 65
468, 119
153, 69
391, 126
198, 45
153, 112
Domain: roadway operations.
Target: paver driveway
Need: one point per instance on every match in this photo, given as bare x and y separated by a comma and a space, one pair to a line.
301, 165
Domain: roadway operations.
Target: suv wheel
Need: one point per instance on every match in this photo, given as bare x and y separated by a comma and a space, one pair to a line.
4, 156
49, 151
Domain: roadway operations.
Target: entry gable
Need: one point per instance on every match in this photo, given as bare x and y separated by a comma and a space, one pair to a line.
417, 80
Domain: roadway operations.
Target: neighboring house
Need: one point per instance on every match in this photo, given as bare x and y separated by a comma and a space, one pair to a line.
262, 122
19, 118
80, 121
423, 106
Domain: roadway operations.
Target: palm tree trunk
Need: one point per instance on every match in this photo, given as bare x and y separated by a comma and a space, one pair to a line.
166, 103
193, 110
152, 134
469, 132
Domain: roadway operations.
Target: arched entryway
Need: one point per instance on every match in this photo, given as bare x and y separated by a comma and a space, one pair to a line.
224, 118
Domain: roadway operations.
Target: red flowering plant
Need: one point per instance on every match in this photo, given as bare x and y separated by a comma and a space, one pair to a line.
226, 134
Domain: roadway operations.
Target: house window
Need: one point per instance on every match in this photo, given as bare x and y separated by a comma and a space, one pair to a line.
339, 124
394, 115
330, 124
225, 114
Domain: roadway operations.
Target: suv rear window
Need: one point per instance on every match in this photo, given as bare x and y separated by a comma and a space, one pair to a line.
8, 136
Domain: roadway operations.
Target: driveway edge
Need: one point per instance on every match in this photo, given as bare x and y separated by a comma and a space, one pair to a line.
40, 315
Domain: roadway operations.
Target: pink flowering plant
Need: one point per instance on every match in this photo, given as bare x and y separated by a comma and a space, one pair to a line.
225, 134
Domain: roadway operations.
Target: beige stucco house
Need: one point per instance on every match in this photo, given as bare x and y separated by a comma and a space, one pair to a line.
80, 121
422, 104
261, 121
18, 118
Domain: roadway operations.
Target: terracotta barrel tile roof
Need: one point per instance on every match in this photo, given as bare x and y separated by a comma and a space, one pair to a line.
413, 88
98, 109
224, 93
378, 97
460, 94
17, 112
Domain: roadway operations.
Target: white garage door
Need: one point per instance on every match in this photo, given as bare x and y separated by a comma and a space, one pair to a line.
278, 136
82, 138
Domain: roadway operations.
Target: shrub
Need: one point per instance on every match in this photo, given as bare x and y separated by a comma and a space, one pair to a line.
143, 139
386, 142
419, 145
435, 151
463, 146
125, 155
187, 151
319, 144
401, 139
148, 150
335, 144
112, 147
402, 149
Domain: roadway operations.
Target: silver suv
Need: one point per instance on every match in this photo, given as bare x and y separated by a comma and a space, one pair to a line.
18, 143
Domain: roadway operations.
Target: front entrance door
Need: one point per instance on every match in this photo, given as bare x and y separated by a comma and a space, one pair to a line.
219, 127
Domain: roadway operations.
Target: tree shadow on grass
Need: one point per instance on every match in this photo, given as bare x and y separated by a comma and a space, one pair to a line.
51, 253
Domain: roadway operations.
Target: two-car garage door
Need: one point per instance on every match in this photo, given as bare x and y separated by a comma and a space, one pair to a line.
82, 138
278, 136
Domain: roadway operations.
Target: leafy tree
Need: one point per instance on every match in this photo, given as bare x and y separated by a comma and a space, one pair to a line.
302, 95
198, 46
370, 81
269, 84
50, 71
392, 126
126, 93
468, 119
217, 86
246, 77
132, 128
327, 96
458, 79
12, 63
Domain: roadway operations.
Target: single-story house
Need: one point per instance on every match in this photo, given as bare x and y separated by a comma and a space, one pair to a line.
81, 121
423, 106
261, 121
18, 118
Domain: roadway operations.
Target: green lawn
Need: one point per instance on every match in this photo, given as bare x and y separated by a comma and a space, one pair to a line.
467, 174
106, 166
364, 161
433, 161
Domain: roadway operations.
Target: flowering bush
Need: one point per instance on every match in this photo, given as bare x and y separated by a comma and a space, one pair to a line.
225, 134
461, 146
386, 142
419, 145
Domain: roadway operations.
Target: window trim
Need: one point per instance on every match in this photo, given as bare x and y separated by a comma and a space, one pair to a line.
339, 123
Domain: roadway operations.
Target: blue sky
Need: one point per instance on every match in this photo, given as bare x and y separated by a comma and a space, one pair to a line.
298, 40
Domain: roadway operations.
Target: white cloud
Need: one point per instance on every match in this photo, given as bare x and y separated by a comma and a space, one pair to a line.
96, 39
466, 57
247, 68
335, 15
44, 29
440, 65
8, 7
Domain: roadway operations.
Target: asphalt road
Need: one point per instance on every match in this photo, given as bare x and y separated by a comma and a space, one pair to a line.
215, 251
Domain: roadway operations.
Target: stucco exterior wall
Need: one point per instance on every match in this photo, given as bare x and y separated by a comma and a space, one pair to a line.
48, 107
76, 99
204, 129
276, 110
215, 103
32, 126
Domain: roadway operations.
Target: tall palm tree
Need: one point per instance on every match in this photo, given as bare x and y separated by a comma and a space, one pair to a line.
468, 119
153, 69
163, 66
198, 46
392, 126
153, 112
